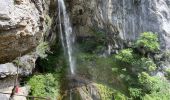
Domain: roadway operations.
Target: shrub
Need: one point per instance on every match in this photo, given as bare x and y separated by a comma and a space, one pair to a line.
125, 55
135, 61
147, 64
44, 86
148, 41
135, 92
37, 85
149, 83
154, 87
108, 93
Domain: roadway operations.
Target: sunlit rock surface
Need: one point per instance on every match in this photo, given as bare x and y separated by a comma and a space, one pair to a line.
21, 27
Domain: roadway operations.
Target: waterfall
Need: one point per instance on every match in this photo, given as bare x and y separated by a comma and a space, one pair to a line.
66, 34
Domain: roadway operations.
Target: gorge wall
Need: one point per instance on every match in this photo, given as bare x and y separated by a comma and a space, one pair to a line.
122, 19
23, 23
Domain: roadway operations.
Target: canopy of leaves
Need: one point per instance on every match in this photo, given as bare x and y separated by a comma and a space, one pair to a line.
125, 55
148, 41
135, 61
156, 88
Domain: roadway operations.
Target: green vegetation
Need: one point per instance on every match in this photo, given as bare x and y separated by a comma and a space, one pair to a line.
49, 73
108, 93
135, 70
148, 41
168, 73
42, 49
44, 85
127, 75
155, 88
96, 67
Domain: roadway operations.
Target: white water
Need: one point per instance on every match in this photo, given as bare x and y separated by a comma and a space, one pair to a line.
66, 36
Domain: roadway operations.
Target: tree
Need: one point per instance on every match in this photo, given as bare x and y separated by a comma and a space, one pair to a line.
148, 41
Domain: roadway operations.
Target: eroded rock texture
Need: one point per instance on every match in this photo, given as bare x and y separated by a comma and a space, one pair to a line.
21, 26
122, 19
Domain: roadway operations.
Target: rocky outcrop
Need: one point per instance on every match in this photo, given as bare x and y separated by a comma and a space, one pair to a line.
22, 66
22, 25
122, 19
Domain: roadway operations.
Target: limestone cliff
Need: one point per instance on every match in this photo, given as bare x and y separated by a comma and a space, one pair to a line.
22, 24
122, 19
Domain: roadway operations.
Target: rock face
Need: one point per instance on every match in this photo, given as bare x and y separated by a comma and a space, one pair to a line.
122, 19
24, 66
22, 24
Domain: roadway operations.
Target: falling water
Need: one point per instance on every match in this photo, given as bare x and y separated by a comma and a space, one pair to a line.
66, 36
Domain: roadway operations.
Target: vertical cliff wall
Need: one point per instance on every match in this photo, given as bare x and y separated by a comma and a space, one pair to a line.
122, 19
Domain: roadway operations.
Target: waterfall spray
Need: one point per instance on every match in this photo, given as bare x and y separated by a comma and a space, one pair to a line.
67, 36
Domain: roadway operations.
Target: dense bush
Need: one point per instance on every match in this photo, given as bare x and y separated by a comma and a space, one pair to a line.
154, 87
44, 85
125, 55
108, 93
148, 41
135, 92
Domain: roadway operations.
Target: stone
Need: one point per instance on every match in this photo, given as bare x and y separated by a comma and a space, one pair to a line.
18, 1
25, 66
19, 27
123, 20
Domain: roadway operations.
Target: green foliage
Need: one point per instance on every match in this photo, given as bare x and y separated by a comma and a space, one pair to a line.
44, 85
148, 41
147, 64
168, 73
94, 66
125, 55
149, 83
155, 88
135, 68
135, 61
42, 48
105, 92
108, 93
37, 85
120, 96
157, 96
53, 62
135, 92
